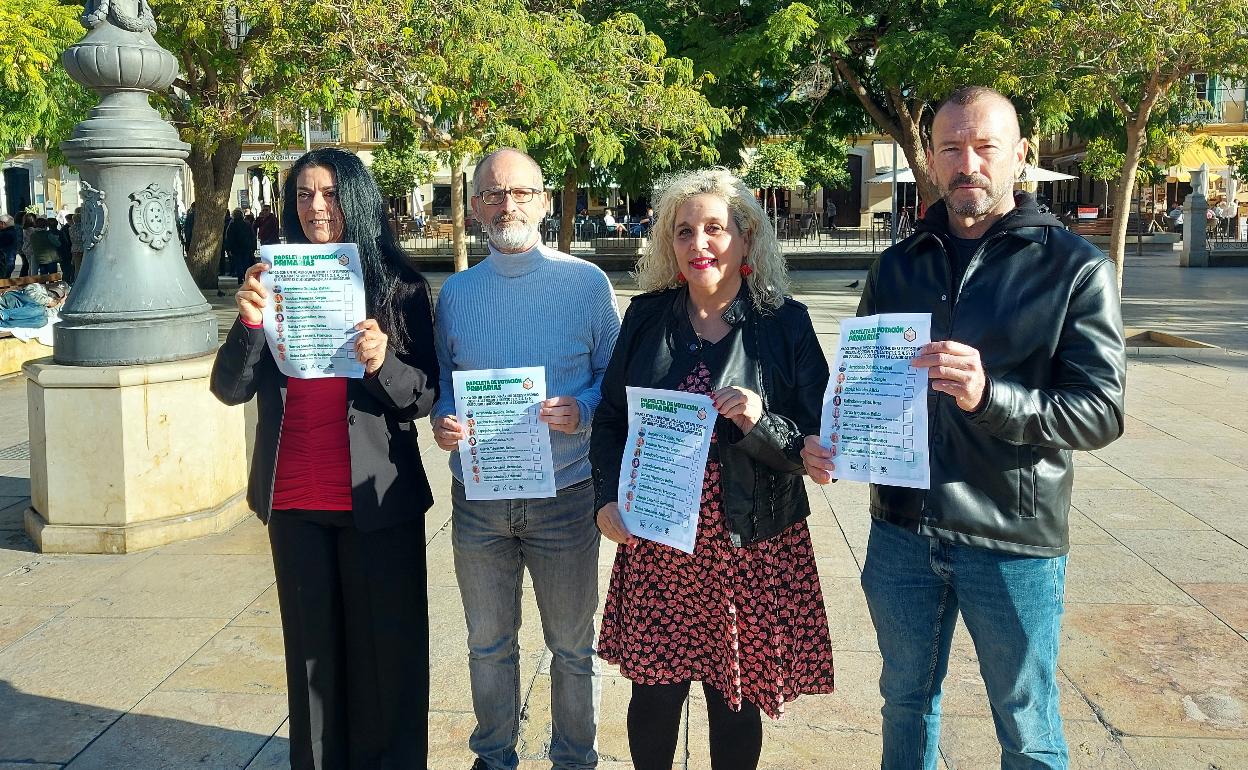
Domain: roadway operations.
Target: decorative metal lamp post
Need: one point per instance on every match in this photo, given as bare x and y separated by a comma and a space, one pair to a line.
128, 448
135, 301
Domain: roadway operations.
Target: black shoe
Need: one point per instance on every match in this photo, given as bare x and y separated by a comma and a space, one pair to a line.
479, 765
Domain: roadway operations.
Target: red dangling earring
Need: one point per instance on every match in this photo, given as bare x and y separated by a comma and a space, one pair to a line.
680, 278
746, 270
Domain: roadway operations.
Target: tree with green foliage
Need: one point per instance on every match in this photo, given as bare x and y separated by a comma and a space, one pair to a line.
469, 74
831, 68
1135, 58
1102, 161
252, 68
1237, 157
398, 169
774, 164
825, 160
39, 104
616, 94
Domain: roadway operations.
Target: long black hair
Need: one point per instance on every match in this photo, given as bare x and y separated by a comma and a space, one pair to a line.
364, 224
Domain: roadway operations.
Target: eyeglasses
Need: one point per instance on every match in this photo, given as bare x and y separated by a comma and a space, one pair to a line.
518, 194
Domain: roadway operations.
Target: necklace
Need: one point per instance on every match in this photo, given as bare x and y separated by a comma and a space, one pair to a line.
700, 341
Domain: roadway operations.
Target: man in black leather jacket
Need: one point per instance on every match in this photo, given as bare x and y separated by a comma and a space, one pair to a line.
1027, 364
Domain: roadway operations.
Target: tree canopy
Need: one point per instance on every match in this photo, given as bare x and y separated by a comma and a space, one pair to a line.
1134, 58
38, 102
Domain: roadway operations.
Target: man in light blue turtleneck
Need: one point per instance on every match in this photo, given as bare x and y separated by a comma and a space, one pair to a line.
528, 305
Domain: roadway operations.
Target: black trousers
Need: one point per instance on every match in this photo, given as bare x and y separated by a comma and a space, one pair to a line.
356, 631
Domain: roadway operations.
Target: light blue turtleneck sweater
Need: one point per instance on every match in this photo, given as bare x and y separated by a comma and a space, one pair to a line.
537, 308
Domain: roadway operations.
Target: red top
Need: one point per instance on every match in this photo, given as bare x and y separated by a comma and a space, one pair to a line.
314, 453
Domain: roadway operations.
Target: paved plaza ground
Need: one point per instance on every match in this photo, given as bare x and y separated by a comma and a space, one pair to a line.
172, 658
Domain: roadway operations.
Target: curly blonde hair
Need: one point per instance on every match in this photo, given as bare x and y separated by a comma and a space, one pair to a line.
657, 268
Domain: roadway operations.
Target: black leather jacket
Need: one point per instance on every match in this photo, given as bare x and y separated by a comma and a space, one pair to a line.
773, 353
1041, 306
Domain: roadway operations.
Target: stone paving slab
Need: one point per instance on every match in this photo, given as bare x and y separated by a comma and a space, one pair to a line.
1159, 671
173, 657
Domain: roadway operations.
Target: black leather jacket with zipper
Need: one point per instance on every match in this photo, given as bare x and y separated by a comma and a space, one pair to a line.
1041, 306
773, 352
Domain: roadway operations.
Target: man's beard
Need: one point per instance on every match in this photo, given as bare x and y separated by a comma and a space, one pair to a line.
973, 208
510, 234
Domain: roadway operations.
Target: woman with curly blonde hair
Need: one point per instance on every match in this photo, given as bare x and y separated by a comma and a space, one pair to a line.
768, 280
743, 614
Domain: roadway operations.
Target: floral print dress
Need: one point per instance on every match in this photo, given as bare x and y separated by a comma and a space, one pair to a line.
748, 621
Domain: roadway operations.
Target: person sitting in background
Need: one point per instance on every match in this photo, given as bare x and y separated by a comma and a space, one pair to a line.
613, 227
1176, 218
642, 228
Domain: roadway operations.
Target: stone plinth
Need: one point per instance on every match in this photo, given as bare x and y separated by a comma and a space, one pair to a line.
130, 457
1195, 244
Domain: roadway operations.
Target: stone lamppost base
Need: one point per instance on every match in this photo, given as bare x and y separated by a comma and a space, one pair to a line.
124, 458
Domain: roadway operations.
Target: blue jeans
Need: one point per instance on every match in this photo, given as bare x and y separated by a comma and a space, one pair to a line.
557, 540
1012, 605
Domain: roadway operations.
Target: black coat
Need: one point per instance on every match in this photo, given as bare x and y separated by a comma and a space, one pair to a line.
240, 240
774, 353
1041, 306
388, 483
10, 242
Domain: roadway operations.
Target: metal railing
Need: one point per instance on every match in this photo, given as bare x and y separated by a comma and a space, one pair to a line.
1223, 233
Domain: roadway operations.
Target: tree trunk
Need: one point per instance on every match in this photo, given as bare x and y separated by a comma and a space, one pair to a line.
459, 165
1136, 131
212, 175
911, 144
1033, 157
906, 130
567, 217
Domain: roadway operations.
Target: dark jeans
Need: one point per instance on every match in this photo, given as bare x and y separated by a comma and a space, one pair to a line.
916, 587
356, 632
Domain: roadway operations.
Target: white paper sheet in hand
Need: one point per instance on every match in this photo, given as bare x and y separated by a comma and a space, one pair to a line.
875, 408
664, 464
316, 297
506, 454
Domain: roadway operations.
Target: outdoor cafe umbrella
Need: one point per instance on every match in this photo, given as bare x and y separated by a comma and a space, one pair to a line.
1030, 174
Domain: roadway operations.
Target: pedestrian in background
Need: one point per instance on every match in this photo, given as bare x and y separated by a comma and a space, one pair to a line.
240, 244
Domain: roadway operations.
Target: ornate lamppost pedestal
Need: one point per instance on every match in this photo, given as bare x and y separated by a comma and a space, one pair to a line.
1195, 251
129, 449
131, 457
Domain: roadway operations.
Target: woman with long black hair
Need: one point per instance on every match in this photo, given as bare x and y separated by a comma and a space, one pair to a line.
337, 477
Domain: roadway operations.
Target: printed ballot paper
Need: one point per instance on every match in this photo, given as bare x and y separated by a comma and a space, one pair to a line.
506, 454
875, 408
664, 463
316, 297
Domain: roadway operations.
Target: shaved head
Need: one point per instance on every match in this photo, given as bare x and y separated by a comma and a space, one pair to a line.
1001, 107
